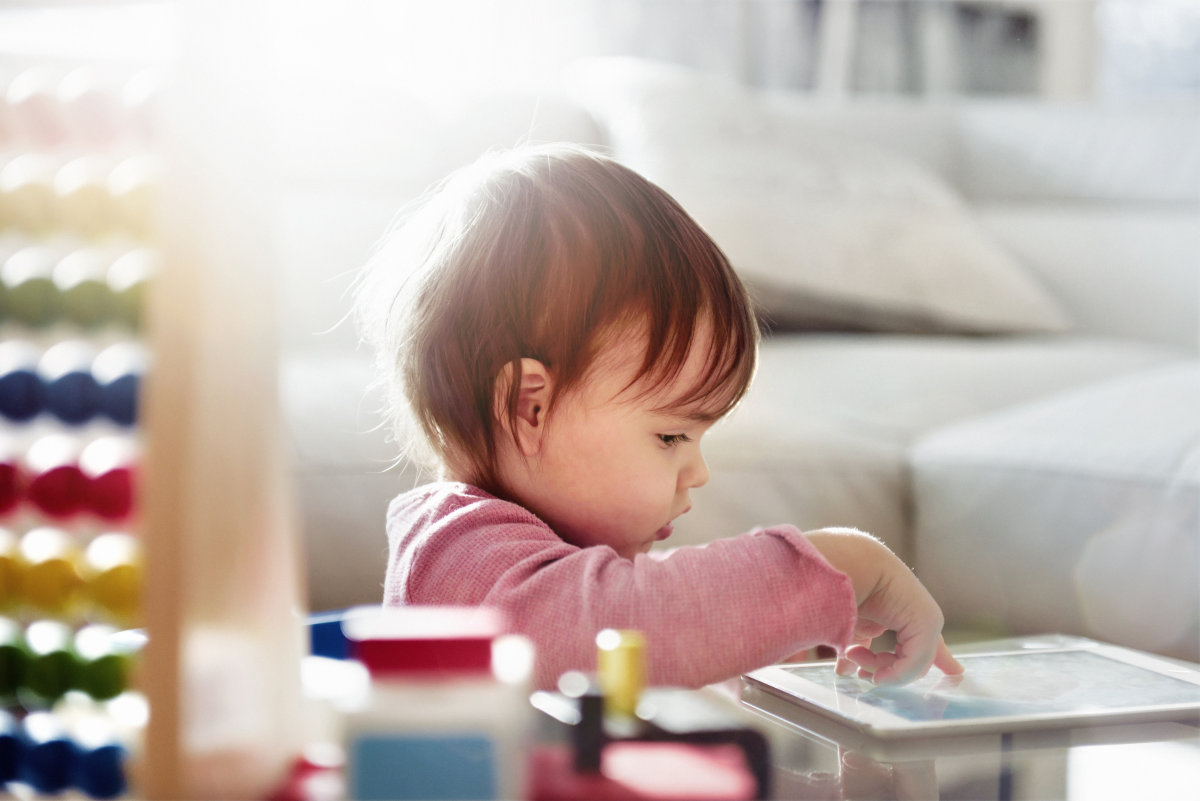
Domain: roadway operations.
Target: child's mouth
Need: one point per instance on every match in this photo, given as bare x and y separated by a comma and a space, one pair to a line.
664, 532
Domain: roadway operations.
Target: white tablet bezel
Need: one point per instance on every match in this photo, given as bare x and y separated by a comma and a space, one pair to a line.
827, 702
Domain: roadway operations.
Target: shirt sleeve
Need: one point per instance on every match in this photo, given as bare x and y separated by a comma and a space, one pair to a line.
708, 612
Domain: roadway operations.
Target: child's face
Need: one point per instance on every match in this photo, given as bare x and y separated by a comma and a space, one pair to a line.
610, 468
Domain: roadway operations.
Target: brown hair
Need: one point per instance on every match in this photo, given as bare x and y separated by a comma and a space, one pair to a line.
539, 252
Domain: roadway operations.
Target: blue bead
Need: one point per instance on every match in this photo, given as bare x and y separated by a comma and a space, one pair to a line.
12, 748
49, 765
21, 395
100, 772
73, 397
119, 398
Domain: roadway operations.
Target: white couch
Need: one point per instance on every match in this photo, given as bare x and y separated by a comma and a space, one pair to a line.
986, 319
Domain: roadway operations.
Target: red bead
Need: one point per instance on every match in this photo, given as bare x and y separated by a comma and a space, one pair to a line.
110, 495
60, 491
109, 464
57, 485
10, 486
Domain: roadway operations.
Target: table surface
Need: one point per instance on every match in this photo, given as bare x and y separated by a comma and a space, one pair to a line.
816, 758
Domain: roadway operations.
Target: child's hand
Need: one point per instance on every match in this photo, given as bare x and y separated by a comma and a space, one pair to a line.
890, 598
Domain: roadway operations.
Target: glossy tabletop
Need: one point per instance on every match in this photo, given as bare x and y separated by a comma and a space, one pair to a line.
814, 758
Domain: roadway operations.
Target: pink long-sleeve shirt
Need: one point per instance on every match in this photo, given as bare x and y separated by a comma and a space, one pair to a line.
708, 612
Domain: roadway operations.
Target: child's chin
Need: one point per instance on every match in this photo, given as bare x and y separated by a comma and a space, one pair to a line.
643, 548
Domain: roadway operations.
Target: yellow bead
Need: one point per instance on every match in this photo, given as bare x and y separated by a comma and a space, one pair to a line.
112, 569
10, 569
51, 576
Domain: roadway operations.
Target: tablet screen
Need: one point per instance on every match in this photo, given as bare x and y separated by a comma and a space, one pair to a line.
1052, 683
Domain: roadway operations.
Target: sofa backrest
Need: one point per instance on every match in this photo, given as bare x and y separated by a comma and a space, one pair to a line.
1127, 153
356, 156
1023, 150
1100, 201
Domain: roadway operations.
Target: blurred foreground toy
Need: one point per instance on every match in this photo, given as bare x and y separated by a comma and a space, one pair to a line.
626, 742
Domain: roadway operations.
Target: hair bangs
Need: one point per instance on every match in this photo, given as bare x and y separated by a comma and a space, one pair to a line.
695, 300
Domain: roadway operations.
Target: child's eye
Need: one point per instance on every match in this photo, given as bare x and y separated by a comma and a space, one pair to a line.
674, 439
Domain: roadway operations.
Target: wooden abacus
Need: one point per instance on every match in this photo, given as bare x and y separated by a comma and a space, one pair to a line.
142, 480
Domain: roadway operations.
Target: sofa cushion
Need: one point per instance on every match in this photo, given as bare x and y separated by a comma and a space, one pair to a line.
809, 473
822, 438
1078, 513
1083, 254
829, 231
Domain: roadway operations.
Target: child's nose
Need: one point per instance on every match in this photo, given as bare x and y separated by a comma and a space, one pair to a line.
695, 474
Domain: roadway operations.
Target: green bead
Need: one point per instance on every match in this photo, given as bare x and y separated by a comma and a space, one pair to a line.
88, 303
14, 657
127, 305
81, 279
14, 661
128, 278
51, 675
53, 667
35, 302
104, 677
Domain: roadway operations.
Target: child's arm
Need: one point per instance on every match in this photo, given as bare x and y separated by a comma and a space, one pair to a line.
709, 613
890, 598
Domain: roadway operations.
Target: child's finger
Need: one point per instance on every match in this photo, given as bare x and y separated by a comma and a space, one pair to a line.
945, 661
914, 654
867, 661
867, 630
849, 663
896, 668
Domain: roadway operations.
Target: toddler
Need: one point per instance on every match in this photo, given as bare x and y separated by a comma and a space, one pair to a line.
558, 335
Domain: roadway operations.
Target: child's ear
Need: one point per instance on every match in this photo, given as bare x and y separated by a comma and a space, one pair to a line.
532, 401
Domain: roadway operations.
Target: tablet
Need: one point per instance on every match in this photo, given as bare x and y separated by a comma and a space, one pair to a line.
1047, 682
